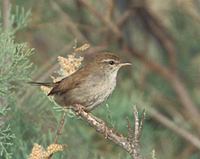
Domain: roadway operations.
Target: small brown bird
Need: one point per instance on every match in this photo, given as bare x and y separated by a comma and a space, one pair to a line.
90, 85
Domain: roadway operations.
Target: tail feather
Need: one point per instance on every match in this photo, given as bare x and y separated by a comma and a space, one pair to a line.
42, 84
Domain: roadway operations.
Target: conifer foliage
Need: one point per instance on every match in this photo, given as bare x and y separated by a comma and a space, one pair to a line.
15, 69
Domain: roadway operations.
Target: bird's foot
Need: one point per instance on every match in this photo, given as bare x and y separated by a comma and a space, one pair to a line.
78, 109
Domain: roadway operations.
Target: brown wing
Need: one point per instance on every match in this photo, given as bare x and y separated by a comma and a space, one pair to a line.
69, 83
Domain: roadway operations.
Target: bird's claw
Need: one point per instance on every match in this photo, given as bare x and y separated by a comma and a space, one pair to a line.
78, 109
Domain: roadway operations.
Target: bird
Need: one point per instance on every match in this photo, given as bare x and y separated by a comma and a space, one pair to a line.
90, 85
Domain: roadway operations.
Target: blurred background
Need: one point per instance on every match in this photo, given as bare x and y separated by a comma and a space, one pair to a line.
160, 38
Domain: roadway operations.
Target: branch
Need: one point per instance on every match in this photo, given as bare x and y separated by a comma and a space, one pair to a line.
177, 129
157, 29
124, 18
73, 27
132, 147
113, 27
101, 127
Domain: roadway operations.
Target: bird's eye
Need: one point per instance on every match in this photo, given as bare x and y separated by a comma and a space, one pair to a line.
111, 62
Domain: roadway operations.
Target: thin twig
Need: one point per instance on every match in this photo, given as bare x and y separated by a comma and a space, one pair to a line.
6, 13
130, 135
124, 18
136, 120
59, 130
142, 123
73, 27
157, 29
137, 133
60, 127
113, 27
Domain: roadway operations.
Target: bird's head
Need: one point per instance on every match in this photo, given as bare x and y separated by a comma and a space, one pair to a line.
109, 62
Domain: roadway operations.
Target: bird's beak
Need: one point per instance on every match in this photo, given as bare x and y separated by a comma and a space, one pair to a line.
125, 64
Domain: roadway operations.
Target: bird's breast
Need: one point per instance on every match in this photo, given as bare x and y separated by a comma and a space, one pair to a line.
94, 90
99, 90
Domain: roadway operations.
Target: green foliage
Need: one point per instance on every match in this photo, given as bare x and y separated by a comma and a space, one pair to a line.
19, 19
6, 138
15, 68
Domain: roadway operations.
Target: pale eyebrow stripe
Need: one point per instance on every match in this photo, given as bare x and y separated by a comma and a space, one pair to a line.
107, 60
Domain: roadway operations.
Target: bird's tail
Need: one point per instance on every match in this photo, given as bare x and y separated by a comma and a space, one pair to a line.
49, 84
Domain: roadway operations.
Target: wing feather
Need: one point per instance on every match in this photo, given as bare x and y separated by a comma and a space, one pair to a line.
68, 83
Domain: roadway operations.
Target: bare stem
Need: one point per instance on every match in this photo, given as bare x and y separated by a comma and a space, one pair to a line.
188, 136
137, 133
6, 13
60, 128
